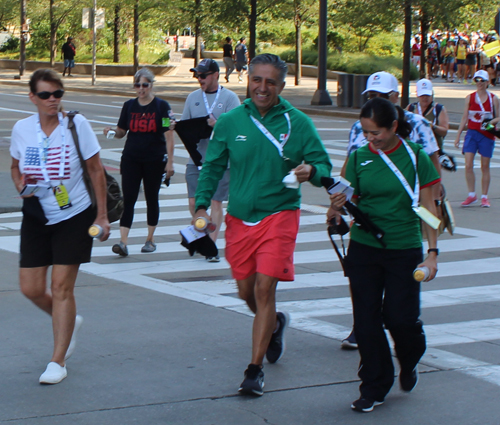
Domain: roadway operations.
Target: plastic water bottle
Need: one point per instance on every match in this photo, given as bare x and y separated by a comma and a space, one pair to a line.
95, 231
203, 225
421, 273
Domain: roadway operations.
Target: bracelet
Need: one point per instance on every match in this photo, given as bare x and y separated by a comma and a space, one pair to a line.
433, 250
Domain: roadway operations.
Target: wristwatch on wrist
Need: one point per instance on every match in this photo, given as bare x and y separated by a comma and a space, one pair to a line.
433, 250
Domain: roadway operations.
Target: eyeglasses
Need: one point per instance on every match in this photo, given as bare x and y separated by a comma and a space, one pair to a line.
204, 75
44, 95
143, 85
480, 80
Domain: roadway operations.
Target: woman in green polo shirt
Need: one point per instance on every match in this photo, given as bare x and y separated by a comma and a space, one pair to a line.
384, 174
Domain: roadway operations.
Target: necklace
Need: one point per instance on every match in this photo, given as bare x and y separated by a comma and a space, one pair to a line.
145, 108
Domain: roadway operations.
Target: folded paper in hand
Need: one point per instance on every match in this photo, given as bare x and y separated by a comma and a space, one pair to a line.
341, 185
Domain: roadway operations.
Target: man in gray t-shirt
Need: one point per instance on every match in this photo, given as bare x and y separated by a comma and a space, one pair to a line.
212, 100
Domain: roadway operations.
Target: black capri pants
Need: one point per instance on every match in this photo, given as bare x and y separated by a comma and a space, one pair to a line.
384, 294
133, 172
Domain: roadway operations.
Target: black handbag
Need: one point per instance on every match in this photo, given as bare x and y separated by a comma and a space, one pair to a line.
114, 194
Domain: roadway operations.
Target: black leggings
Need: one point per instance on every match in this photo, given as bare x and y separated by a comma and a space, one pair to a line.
133, 172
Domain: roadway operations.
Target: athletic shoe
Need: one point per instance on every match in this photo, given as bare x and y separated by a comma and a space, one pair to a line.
350, 342
54, 374
408, 380
277, 345
469, 201
253, 383
365, 404
227, 79
120, 248
485, 203
72, 344
148, 247
215, 259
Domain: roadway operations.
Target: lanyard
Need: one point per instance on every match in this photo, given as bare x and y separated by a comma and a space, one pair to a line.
433, 110
414, 195
43, 149
478, 101
271, 138
211, 108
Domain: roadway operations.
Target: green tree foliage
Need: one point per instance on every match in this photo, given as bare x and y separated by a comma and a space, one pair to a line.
366, 18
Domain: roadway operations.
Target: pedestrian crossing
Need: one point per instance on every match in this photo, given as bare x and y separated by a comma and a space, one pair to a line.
318, 300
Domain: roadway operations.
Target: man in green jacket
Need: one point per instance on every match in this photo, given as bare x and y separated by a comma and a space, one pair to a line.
264, 139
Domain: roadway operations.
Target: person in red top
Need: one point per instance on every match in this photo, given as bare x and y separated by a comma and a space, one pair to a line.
416, 52
480, 106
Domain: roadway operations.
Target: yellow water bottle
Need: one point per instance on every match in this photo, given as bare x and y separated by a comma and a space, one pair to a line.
421, 273
95, 231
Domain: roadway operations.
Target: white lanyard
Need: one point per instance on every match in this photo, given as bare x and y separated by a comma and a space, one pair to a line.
271, 138
433, 111
211, 108
414, 195
43, 149
478, 101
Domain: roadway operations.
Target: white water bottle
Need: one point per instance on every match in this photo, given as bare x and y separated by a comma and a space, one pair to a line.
95, 231
203, 225
421, 273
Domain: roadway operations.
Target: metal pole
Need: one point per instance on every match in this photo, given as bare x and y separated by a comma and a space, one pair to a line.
94, 41
405, 90
321, 96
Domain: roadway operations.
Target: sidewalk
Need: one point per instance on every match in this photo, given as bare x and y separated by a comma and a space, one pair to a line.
178, 86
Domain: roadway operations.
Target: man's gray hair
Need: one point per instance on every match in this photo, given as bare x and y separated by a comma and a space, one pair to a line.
270, 59
146, 73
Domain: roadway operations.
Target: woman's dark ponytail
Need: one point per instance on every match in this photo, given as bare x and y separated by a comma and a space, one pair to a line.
404, 127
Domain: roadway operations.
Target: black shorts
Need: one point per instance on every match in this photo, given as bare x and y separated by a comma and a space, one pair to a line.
66, 243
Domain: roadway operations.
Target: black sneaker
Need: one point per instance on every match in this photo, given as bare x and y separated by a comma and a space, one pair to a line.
277, 346
350, 342
408, 380
253, 383
365, 404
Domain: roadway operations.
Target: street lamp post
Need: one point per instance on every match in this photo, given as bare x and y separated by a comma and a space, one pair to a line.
321, 96
94, 41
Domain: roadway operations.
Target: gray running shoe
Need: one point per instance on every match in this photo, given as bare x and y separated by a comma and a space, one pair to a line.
148, 247
120, 248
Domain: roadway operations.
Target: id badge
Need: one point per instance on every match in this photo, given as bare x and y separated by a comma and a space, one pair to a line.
62, 196
427, 216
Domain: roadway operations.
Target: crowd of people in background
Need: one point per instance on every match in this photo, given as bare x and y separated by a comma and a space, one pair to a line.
456, 56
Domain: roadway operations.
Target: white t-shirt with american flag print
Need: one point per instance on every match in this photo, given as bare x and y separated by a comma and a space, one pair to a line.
24, 147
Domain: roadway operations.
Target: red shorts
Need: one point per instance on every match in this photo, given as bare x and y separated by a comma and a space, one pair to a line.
265, 248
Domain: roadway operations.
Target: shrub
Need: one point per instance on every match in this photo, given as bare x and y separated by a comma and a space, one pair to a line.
354, 63
9, 45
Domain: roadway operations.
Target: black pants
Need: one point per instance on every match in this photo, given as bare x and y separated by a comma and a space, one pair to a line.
384, 293
133, 172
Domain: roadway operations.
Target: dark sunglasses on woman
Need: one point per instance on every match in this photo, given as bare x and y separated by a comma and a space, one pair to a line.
143, 85
44, 95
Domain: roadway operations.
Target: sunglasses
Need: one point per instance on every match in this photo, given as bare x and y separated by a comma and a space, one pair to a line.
44, 95
203, 76
374, 94
143, 85
480, 80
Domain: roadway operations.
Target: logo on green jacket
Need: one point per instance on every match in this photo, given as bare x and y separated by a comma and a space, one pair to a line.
240, 138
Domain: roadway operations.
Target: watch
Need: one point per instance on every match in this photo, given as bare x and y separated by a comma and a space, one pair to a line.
433, 250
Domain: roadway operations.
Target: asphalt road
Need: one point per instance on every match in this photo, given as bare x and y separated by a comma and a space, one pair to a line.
166, 339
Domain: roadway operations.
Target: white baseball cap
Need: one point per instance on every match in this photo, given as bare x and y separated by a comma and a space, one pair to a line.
482, 74
382, 82
424, 87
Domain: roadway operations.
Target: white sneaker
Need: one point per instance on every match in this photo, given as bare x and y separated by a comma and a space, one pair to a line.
72, 344
54, 374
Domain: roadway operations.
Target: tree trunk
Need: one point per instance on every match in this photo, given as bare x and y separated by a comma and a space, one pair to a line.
298, 50
253, 30
53, 35
424, 29
405, 92
197, 43
136, 36
116, 35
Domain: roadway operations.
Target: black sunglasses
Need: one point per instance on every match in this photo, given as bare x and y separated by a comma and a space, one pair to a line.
374, 94
144, 85
480, 80
205, 75
44, 95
